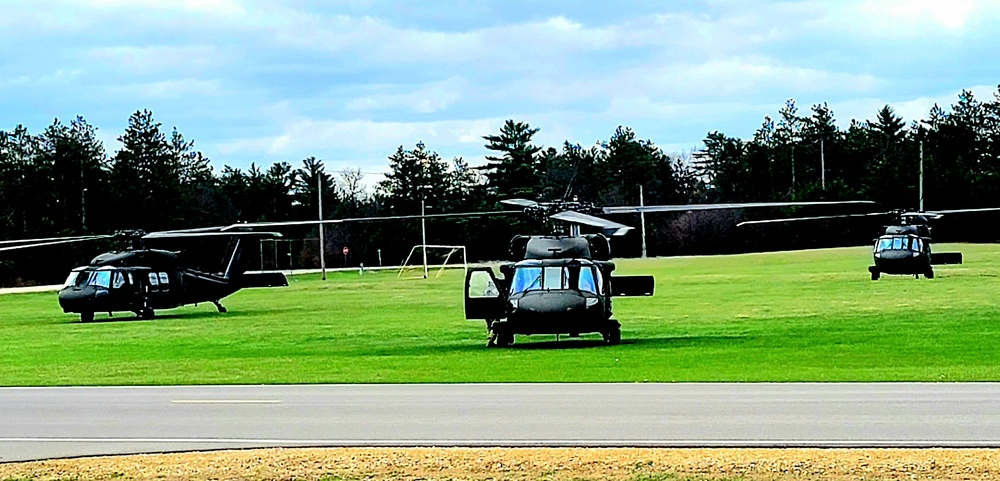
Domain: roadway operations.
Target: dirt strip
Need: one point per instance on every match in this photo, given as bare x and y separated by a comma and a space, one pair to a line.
525, 464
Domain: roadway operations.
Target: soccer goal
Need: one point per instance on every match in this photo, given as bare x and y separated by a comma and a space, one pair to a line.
423, 258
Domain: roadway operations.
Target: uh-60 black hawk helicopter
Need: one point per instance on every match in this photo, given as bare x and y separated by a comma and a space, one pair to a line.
141, 280
904, 245
563, 284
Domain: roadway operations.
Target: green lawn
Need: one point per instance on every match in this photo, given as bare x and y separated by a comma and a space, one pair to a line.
800, 316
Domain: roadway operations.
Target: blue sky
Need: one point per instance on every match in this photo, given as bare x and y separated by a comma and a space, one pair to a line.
349, 81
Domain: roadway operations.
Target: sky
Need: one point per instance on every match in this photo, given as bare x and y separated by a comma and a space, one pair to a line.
350, 81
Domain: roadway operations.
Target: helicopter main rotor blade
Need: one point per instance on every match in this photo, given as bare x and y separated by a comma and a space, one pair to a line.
819, 217
184, 231
960, 211
48, 239
368, 219
232, 233
635, 209
520, 203
49, 242
580, 218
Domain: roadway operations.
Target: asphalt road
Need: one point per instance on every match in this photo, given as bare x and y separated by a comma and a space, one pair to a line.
38, 423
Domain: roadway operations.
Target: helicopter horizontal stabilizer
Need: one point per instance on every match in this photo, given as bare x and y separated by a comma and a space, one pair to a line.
635, 209
609, 227
946, 258
261, 279
632, 285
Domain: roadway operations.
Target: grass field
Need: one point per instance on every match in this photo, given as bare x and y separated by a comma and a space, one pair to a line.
799, 316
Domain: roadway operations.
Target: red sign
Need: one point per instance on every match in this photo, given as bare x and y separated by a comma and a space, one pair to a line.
345, 250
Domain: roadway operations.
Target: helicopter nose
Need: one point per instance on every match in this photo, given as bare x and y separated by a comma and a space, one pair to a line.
73, 299
892, 255
551, 302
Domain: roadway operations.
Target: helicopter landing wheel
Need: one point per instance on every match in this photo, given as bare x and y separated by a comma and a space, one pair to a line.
930, 273
218, 305
500, 340
876, 275
146, 314
613, 337
86, 317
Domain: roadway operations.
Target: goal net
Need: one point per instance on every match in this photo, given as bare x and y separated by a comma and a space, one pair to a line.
424, 258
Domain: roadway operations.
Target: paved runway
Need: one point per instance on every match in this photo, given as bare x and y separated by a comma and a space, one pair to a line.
37, 423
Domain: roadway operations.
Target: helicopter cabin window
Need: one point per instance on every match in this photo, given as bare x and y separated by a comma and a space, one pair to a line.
154, 282
164, 281
884, 243
119, 280
481, 285
587, 282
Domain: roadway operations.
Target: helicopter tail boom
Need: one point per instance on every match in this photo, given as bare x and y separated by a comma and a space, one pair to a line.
632, 286
260, 279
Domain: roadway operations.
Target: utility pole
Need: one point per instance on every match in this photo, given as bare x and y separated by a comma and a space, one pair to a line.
793, 169
83, 200
642, 222
921, 185
83, 210
322, 243
423, 232
822, 166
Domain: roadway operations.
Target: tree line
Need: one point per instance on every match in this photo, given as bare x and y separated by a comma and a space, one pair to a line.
63, 181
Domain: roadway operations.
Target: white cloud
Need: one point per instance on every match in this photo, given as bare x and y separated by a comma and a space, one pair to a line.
909, 109
172, 89
161, 58
325, 137
213, 7
907, 13
328, 71
48, 79
429, 98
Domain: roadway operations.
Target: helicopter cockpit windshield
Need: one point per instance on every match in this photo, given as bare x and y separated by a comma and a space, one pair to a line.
102, 278
585, 278
899, 243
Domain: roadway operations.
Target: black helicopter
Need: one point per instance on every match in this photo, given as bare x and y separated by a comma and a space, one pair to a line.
142, 280
904, 245
563, 284
556, 285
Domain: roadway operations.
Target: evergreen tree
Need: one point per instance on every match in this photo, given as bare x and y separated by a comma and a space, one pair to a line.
415, 175
78, 163
146, 177
26, 196
515, 173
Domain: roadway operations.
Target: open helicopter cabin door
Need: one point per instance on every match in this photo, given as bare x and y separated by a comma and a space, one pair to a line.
485, 297
632, 286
